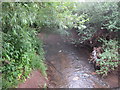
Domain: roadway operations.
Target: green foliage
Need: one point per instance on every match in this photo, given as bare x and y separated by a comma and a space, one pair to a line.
59, 16
109, 58
22, 49
23, 53
66, 18
102, 15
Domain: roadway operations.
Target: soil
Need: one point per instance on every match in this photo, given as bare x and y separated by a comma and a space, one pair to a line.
36, 80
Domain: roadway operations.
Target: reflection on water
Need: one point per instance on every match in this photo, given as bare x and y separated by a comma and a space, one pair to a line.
68, 66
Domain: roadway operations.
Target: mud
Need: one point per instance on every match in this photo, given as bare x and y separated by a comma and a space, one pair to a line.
35, 80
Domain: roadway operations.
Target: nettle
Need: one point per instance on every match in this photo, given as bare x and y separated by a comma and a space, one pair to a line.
108, 59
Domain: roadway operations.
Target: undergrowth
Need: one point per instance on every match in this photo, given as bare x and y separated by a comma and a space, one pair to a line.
103, 23
108, 59
22, 50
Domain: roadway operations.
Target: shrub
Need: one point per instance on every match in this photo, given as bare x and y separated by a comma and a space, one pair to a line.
103, 23
102, 15
22, 50
108, 60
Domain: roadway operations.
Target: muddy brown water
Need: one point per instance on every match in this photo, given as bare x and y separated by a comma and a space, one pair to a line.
68, 66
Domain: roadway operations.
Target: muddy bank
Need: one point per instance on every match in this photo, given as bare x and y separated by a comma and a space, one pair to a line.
68, 66
35, 80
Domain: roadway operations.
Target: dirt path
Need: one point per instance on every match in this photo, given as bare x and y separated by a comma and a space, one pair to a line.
68, 66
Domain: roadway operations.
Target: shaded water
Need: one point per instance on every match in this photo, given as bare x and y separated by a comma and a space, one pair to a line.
68, 66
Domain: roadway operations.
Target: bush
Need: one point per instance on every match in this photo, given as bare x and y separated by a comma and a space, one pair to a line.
22, 49
108, 60
103, 23
101, 15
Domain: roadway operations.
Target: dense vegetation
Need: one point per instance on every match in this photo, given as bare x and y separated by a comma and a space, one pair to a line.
23, 50
101, 33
